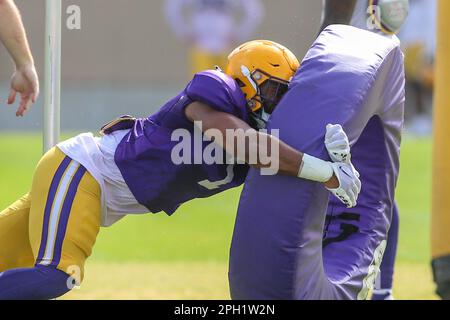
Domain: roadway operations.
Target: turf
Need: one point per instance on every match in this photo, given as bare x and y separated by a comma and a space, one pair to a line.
185, 256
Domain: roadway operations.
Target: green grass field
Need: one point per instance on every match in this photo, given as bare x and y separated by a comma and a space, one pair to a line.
186, 256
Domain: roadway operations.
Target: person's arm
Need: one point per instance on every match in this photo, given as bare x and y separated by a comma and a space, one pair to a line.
290, 159
12, 34
340, 178
337, 12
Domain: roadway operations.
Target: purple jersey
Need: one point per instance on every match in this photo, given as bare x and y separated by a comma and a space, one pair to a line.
144, 155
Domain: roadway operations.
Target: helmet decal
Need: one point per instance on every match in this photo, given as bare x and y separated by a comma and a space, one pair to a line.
246, 73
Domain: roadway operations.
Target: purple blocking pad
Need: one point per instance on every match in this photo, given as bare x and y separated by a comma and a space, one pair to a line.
354, 78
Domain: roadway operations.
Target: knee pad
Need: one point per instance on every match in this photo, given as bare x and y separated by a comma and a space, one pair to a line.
57, 283
38, 283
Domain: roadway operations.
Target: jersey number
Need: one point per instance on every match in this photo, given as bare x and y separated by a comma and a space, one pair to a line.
213, 185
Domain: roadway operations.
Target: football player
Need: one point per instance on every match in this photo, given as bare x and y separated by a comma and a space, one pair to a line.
88, 182
384, 18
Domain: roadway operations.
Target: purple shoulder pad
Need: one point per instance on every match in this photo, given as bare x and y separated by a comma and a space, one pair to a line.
219, 91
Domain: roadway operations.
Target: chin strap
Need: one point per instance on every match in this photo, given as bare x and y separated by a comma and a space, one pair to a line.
261, 118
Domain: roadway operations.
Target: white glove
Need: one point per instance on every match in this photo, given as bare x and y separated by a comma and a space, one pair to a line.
337, 144
349, 188
349, 183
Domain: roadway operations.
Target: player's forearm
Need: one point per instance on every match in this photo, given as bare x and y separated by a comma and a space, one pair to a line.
289, 161
12, 34
262, 150
244, 143
337, 12
256, 148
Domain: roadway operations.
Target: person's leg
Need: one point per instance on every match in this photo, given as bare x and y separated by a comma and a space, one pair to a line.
63, 224
383, 285
15, 249
19, 279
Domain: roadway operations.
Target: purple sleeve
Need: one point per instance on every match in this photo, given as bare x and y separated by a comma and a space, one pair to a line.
219, 91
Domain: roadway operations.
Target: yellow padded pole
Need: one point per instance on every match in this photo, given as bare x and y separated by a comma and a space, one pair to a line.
440, 226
